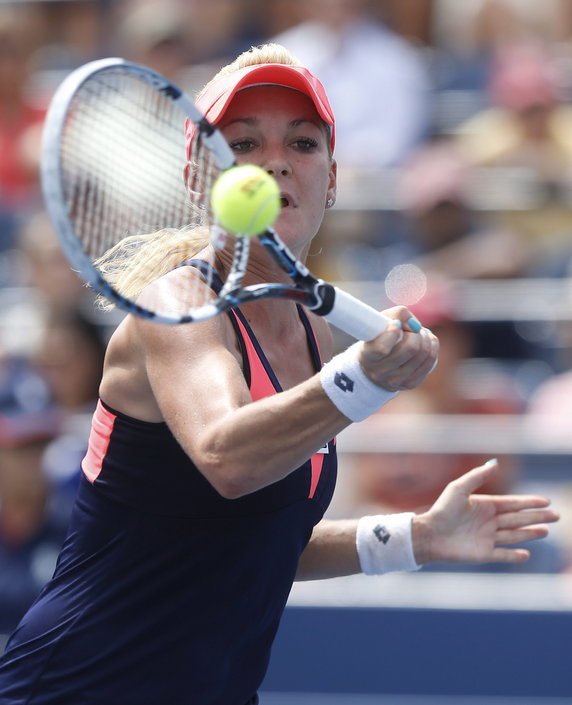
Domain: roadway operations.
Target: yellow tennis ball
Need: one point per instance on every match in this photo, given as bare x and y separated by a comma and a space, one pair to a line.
245, 199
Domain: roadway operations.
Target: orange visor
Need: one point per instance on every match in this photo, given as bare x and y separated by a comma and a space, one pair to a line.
217, 96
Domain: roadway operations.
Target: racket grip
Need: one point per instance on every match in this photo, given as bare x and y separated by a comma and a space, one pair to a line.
355, 318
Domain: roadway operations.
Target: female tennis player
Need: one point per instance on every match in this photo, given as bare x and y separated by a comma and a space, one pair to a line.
212, 460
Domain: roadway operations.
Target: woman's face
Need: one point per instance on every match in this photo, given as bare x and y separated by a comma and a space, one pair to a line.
279, 129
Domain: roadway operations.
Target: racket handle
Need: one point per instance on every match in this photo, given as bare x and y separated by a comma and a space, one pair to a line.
354, 317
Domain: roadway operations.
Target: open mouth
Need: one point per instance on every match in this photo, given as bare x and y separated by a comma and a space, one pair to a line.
284, 201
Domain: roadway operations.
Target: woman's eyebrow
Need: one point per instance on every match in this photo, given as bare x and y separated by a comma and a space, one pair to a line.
302, 121
251, 121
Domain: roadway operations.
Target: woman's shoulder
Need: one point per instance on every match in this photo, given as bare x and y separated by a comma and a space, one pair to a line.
141, 350
124, 384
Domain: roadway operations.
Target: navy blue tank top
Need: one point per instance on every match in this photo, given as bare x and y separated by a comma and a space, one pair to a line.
164, 591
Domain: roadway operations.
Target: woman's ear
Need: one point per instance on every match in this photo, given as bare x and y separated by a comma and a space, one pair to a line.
186, 174
332, 185
190, 178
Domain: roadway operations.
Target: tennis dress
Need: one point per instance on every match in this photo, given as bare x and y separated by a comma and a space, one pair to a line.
165, 593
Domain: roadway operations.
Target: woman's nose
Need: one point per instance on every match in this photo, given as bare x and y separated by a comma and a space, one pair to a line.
283, 170
275, 163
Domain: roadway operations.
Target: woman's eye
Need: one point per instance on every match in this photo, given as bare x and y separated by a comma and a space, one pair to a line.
241, 146
305, 144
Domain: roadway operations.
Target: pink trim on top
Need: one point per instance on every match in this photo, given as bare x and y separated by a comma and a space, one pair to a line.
317, 461
101, 428
261, 386
260, 383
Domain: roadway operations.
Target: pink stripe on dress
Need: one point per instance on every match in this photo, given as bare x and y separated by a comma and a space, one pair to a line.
101, 428
317, 464
261, 386
260, 383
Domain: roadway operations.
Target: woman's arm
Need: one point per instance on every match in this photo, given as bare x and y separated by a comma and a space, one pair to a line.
197, 381
461, 527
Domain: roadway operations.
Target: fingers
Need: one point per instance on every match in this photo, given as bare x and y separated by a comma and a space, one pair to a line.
518, 503
393, 333
510, 555
513, 510
408, 320
475, 478
528, 533
398, 362
521, 526
382, 347
515, 520
419, 359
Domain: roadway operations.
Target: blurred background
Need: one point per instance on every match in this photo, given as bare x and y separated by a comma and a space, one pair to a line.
454, 122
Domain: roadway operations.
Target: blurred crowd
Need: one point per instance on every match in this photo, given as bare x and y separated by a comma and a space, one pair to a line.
454, 125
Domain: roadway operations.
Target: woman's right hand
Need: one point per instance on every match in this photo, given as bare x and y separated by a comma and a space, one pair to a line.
400, 362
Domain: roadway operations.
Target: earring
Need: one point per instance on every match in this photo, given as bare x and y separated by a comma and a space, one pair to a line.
329, 202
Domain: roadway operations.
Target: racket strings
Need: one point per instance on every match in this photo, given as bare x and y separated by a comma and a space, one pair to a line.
201, 175
231, 251
122, 162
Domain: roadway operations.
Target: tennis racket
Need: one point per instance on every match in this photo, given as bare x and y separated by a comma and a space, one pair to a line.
113, 155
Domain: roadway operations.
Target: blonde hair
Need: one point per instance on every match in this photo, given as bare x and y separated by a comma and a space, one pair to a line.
138, 260
265, 54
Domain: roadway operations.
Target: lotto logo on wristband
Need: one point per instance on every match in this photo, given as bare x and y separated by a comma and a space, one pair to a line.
384, 543
381, 533
349, 388
342, 381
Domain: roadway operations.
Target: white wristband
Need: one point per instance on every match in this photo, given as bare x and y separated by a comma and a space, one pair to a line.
350, 389
384, 543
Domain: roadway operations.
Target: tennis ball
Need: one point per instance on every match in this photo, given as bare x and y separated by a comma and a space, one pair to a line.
245, 199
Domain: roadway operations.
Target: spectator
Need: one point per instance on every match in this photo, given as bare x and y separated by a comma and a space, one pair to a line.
549, 411
21, 121
524, 137
45, 267
70, 356
217, 29
153, 34
440, 229
410, 481
550, 404
467, 35
31, 533
184, 40
366, 68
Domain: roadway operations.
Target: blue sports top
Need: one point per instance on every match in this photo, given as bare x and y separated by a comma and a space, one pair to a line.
165, 592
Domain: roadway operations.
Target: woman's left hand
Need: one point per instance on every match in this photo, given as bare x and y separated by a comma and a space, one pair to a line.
463, 527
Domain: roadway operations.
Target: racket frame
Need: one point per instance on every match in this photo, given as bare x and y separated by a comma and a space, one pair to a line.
338, 307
